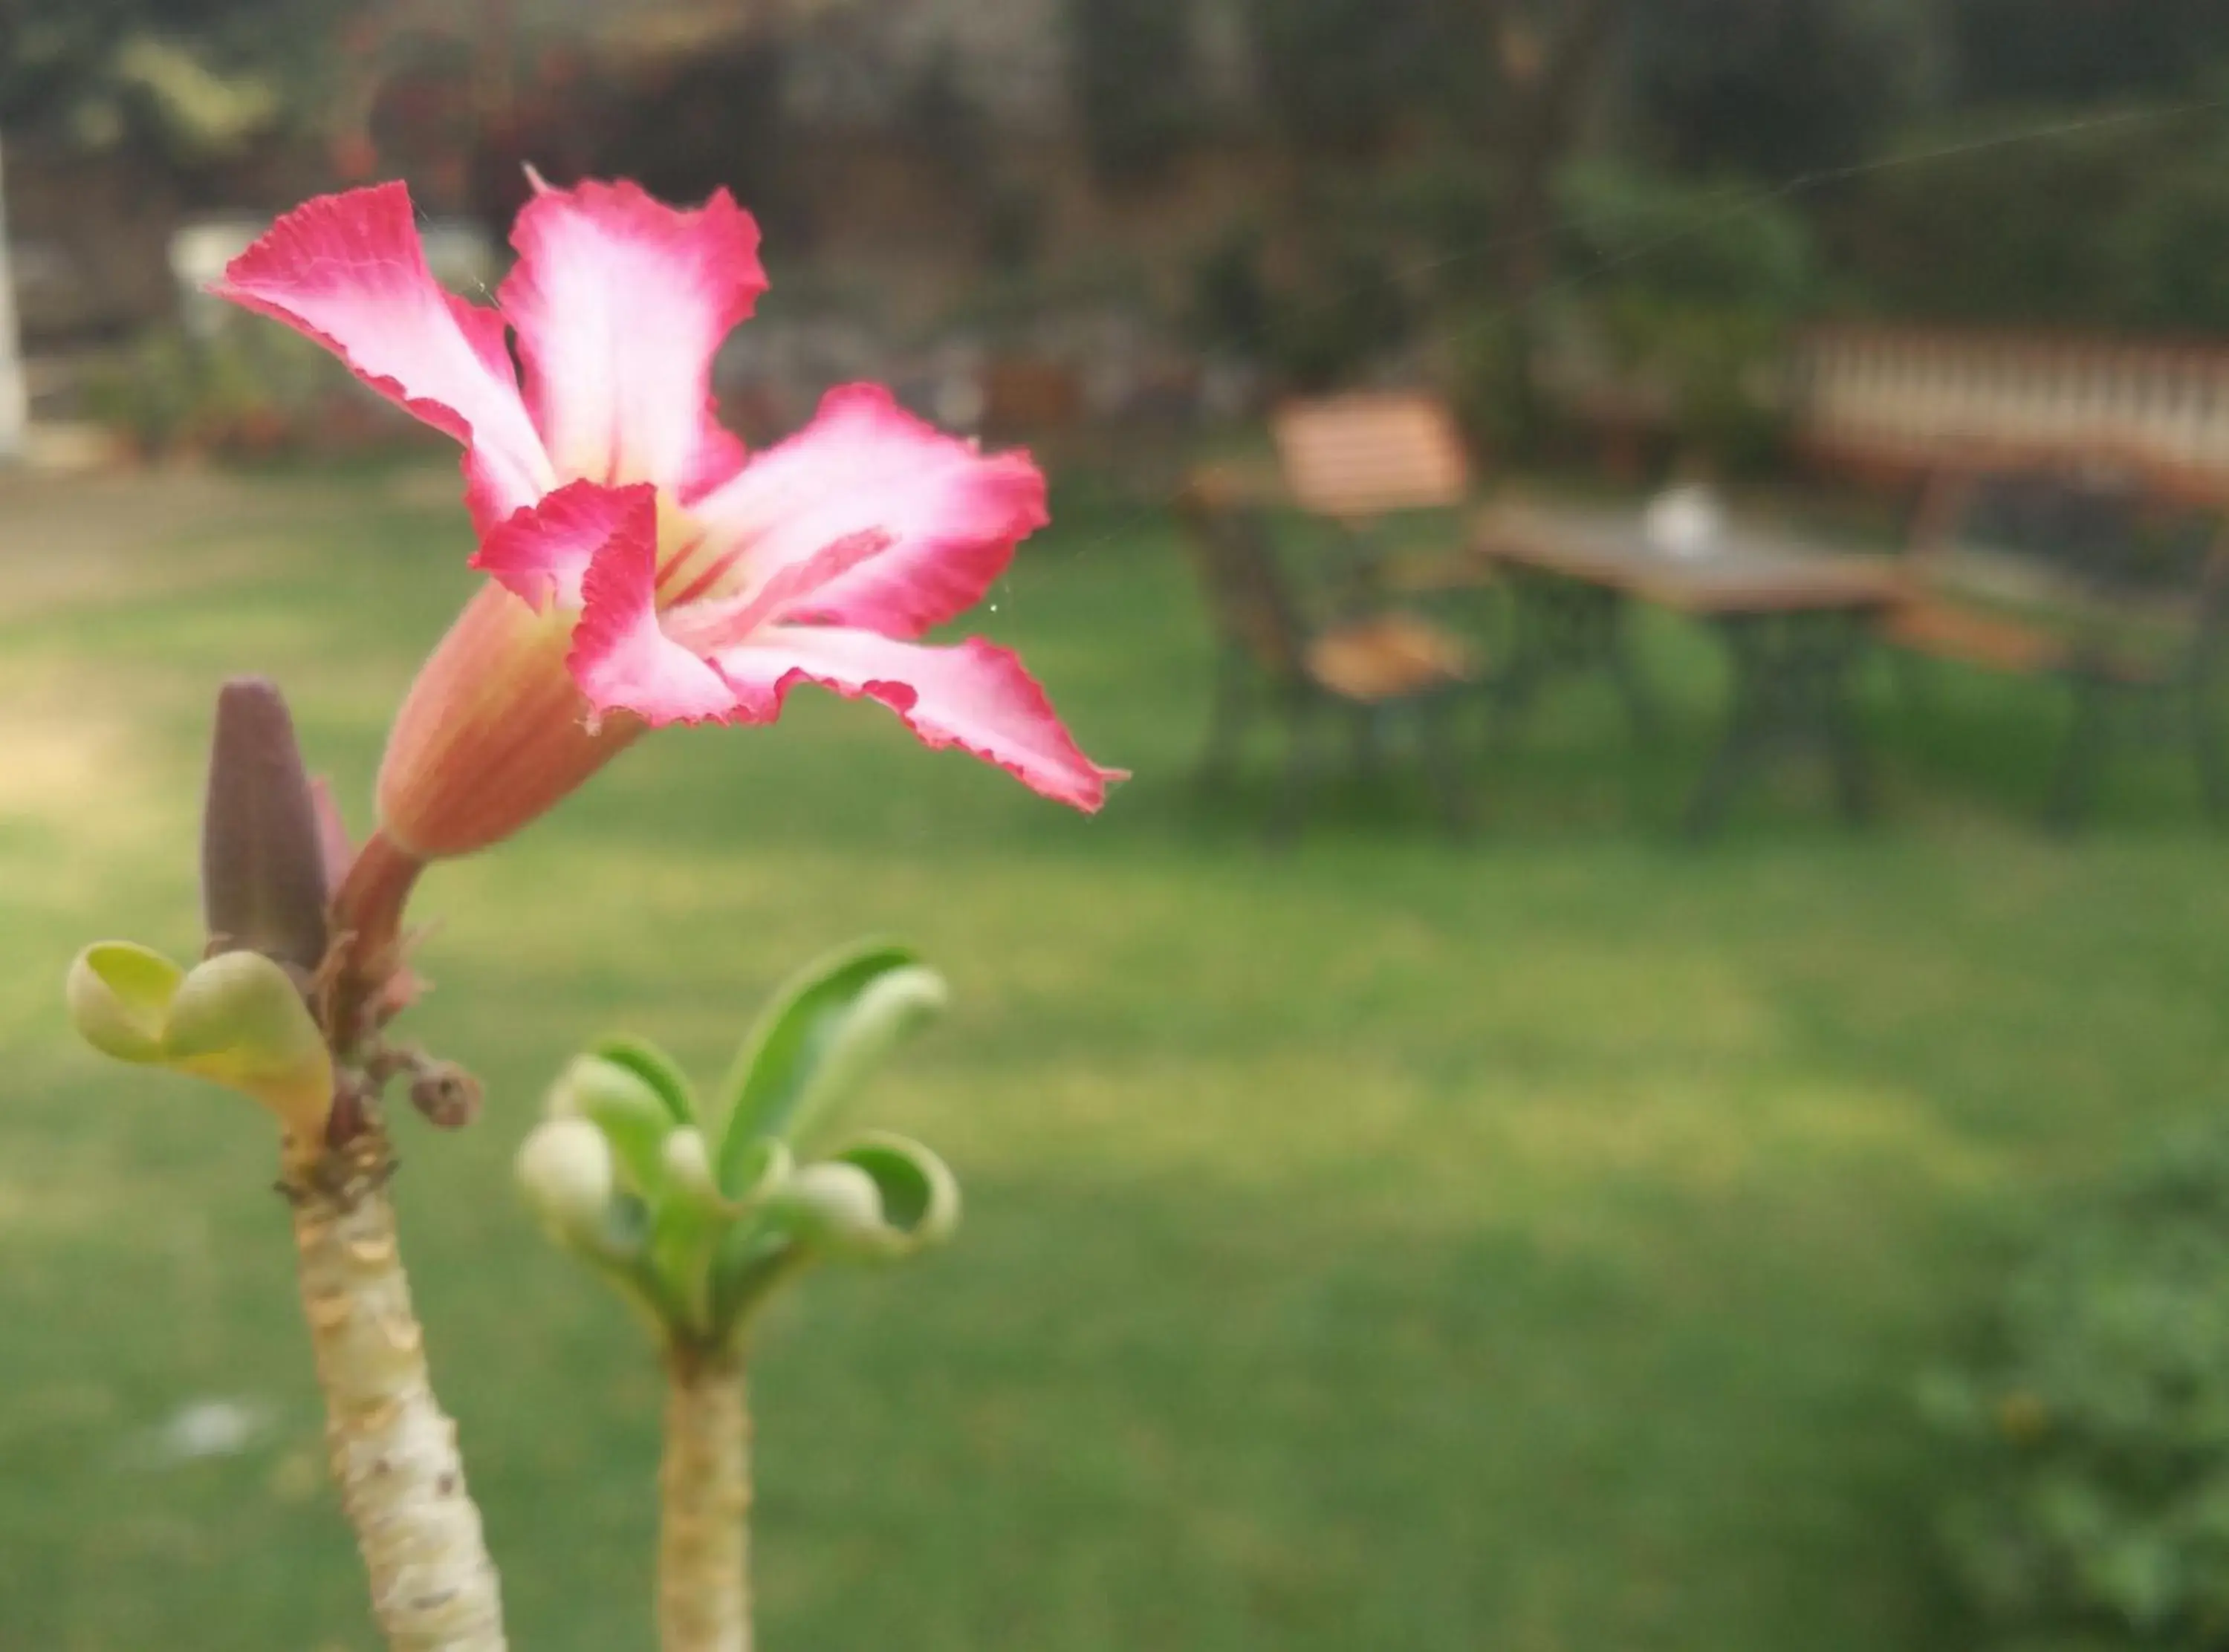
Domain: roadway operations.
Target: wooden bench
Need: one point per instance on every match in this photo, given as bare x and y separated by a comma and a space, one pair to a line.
2110, 576
1273, 653
2071, 485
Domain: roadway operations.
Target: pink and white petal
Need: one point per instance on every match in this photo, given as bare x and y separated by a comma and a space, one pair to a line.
715, 623
620, 303
974, 696
349, 271
541, 554
621, 656
719, 457
954, 516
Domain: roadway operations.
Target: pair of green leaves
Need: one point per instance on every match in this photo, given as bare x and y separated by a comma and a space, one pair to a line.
696, 1212
237, 1020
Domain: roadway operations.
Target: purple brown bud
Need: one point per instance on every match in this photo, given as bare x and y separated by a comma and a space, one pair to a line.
263, 864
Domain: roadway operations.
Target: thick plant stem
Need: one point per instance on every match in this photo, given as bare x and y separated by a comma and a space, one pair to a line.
704, 1587
367, 956
394, 1450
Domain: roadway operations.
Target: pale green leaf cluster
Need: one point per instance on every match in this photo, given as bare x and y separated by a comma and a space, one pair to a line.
696, 1212
238, 1020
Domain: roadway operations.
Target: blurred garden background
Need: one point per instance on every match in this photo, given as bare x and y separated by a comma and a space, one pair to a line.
1556, 1234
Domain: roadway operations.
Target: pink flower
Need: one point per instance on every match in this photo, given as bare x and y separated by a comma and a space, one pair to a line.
642, 569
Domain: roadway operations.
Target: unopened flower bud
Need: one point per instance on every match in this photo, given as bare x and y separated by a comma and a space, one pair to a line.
634, 1118
264, 882
688, 1164
565, 1169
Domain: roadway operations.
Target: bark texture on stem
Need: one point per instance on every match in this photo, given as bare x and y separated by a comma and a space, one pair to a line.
394, 1450
703, 1589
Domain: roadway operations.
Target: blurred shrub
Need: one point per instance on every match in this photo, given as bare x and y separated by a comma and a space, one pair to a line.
1317, 302
1016, 310
243, 392
1716, 366
145, 396
2093, 1508
1684, 239
1684, 293
1679, 293
2171, 245
1490, 359
1233, 311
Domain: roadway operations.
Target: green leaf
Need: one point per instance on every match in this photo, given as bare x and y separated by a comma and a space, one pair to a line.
920, 1194
883, 1198
656, 1070
120, 997
752, 1262
237, 1020
758, 1169
753, 1250
831, 1024
634, 1116
686, 1224
566, 1171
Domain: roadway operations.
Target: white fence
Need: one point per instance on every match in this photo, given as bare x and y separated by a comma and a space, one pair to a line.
1917, 397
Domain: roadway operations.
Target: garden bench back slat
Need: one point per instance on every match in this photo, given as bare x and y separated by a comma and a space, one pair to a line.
1358, 456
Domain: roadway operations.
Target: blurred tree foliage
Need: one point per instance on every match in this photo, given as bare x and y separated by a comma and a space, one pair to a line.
1317, 297
2124, 226
2075, 51
1450, 186
1672, 183
710, 120
1128, 64
1691, 296
1424, 137
1776, 87
1340, 75
177, 80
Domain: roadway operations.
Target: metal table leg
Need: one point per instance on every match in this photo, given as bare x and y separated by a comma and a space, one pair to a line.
1567, 627
1794, 683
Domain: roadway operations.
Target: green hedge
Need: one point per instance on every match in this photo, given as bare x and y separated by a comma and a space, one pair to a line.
2093, 1508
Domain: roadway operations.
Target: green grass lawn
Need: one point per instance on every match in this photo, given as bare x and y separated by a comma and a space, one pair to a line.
1528, 1244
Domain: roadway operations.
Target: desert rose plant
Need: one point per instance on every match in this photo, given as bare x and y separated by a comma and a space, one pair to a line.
642, 570
696, 1210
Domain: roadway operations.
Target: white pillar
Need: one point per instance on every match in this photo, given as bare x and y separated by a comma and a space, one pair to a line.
15, 401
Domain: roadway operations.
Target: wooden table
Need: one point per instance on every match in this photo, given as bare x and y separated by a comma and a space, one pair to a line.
1795, 619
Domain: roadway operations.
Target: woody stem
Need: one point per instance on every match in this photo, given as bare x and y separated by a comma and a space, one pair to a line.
704, 1587
394, 1450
